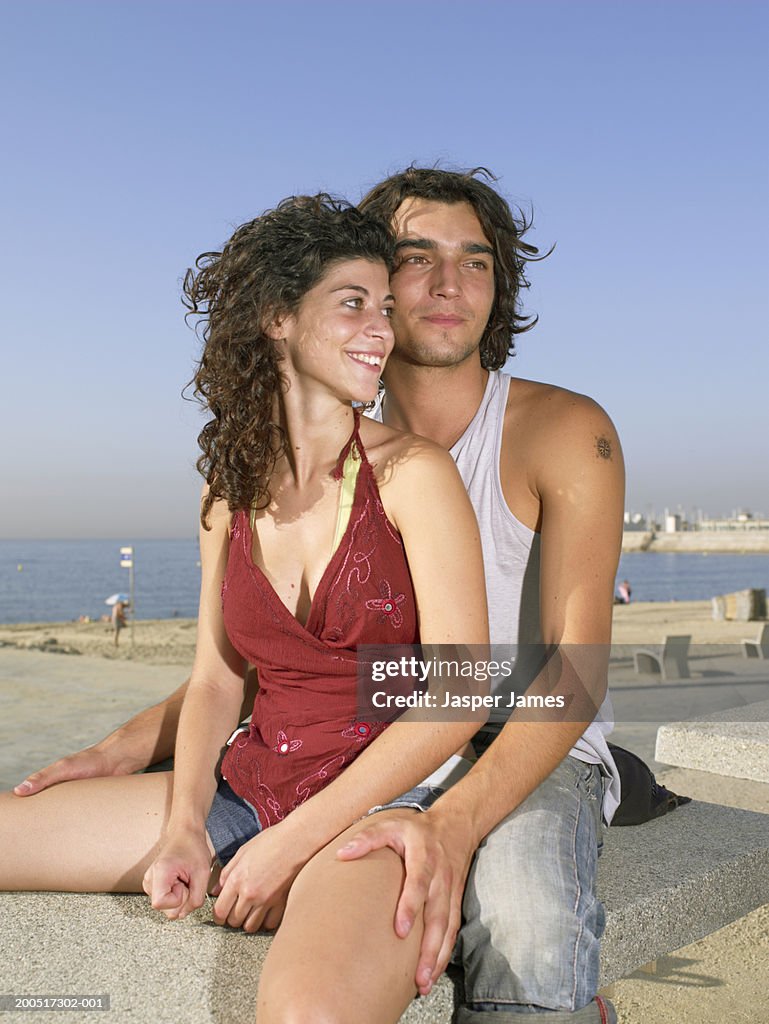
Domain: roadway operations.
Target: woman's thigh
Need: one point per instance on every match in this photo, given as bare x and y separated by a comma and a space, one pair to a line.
92, 835
336, 955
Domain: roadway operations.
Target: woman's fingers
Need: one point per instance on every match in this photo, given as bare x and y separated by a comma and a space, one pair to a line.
235, 909
177, 881
166, 891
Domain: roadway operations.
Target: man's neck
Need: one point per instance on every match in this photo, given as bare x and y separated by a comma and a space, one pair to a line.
436, 402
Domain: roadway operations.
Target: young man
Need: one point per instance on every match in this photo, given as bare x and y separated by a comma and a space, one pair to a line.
520, 833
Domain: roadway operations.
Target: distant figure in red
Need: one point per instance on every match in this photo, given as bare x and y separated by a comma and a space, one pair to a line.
624, 592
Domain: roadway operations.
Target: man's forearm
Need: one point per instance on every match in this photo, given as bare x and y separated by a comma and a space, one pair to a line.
521, 757
146, 738
150, 736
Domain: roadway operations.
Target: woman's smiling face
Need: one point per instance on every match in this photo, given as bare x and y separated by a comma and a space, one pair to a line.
341, 334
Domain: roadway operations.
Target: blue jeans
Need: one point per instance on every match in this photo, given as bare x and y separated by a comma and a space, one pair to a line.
532, 921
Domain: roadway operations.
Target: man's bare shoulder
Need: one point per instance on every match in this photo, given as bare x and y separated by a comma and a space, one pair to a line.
548, 415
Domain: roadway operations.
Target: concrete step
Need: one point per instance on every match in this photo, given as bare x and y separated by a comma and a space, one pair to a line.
734, 742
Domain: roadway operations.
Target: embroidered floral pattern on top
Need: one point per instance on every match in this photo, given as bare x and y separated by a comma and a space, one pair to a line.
363, 732
285, 745
387, 605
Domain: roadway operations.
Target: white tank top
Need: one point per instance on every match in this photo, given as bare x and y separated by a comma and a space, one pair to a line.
511, 556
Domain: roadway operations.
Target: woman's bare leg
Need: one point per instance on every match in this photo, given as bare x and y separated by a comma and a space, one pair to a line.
93, 835
336, 957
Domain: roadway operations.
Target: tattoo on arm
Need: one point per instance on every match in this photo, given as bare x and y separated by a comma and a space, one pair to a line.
603, 448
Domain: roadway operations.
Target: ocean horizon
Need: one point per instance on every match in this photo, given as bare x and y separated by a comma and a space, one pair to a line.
61, 580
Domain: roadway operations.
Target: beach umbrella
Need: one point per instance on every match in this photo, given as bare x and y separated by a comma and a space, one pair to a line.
123, 598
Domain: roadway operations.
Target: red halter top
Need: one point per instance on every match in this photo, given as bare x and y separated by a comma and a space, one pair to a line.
306, 725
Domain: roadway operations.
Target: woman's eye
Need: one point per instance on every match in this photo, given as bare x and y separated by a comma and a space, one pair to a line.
388, 312
354, 303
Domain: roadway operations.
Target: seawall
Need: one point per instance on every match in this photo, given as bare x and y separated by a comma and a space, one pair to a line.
734, 542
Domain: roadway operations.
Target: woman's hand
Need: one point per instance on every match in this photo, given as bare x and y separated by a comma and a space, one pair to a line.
177, 880
254, 886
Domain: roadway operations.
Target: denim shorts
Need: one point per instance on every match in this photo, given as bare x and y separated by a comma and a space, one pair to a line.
420, 798
232, 821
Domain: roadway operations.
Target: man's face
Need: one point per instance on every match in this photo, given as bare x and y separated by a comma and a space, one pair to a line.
443, 283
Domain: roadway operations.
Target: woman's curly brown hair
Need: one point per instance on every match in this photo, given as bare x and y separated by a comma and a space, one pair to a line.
503, 227
263, 272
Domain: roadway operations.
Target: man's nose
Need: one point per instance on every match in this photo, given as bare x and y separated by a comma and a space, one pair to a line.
446, 282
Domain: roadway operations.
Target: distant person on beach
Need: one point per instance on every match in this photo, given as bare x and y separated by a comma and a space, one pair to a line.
543, 467
319, 533
624, 593
118, 619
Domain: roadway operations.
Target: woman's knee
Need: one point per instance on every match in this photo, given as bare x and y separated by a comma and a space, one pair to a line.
288, 1003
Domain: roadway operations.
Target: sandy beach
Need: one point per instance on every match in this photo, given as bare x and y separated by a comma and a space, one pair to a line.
93, 686
172, 641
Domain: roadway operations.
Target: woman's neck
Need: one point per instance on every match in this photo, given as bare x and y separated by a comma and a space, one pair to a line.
317, 427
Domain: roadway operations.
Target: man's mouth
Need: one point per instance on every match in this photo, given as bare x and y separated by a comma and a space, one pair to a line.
444, 320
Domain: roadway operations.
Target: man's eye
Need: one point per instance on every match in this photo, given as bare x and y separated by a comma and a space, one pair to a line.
477, 265
416, 258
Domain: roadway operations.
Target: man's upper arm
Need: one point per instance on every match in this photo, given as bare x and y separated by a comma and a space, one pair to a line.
581, 485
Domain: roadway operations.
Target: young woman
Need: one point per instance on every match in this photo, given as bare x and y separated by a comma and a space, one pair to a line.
321, 531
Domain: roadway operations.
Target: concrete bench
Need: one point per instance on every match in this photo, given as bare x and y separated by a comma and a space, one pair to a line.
734, 742
664, 884
669, 662
758, 648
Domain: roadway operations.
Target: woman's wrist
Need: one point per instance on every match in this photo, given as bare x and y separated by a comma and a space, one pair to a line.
184, 823
305, 833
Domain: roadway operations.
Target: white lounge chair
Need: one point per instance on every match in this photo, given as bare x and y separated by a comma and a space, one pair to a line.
758, 648
670, 662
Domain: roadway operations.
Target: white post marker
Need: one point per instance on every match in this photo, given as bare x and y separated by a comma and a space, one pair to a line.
127, 562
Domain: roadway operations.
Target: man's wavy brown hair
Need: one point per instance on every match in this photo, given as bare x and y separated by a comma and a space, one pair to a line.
262, 273
503, 227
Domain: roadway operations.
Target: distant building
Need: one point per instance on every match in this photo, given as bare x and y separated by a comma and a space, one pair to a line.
675, 522
741, 521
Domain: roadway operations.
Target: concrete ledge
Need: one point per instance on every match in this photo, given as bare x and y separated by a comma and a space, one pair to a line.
674, 880
734, 742
664, 884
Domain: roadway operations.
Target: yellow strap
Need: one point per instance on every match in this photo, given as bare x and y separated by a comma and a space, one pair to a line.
350, 472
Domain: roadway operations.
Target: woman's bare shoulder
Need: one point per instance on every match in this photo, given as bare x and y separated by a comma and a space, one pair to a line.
219, 518
397, 452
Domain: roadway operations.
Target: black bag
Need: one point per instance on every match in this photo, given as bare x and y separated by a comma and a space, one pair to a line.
642, 797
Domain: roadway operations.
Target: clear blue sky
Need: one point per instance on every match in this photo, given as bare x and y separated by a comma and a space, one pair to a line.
137, 135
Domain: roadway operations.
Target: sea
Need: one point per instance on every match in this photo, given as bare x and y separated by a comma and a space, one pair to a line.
61, 580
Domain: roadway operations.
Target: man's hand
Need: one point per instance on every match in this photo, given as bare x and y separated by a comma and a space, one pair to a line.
254, 886
437, 859
177, 879
91, 763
